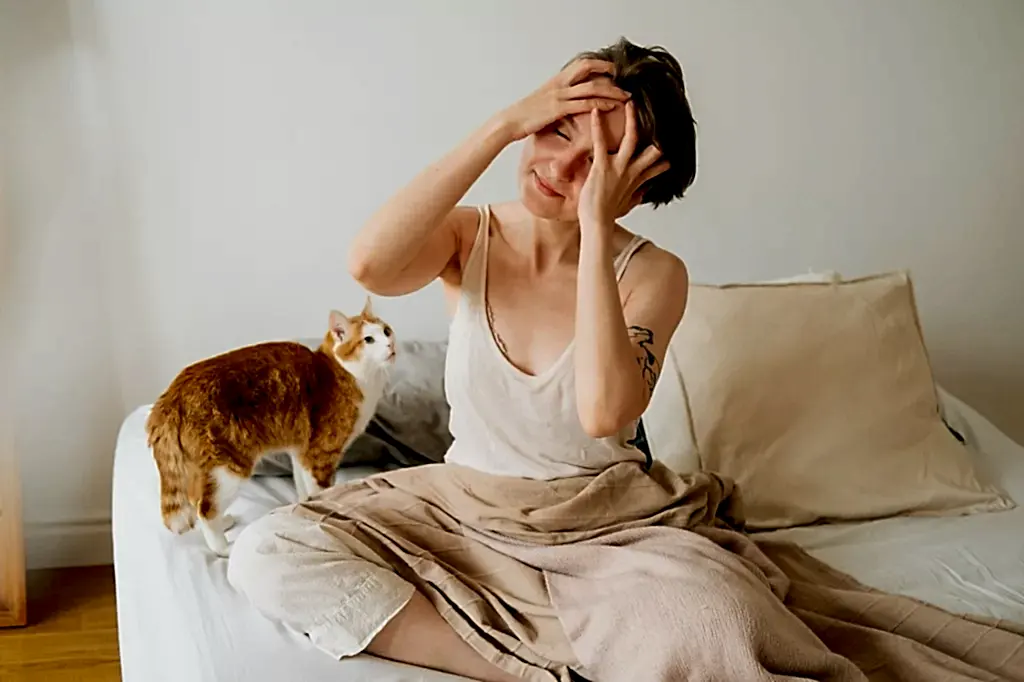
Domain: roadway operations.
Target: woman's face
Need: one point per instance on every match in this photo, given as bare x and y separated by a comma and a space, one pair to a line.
556, 160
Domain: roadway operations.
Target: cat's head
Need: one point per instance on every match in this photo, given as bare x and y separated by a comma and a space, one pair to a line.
363, 342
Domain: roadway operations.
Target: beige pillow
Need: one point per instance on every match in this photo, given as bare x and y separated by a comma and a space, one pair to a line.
818, 399
667, 418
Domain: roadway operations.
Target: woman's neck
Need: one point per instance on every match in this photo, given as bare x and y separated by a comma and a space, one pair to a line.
543, 245
552, 243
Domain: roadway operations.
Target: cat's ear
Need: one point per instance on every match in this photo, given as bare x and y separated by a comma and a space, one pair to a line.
367, 307
339, 325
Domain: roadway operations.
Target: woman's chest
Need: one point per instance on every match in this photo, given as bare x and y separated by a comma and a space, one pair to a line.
531, 318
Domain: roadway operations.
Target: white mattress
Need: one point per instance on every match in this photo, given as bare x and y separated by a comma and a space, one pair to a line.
179, 619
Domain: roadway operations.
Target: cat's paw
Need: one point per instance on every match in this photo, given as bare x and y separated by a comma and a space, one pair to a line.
214, 537
219, 546
180, 522
225, 523
221, 551
305, 496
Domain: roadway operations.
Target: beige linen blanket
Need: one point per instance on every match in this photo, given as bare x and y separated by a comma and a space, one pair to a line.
646, 576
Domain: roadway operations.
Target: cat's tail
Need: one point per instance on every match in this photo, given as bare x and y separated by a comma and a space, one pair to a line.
164, 428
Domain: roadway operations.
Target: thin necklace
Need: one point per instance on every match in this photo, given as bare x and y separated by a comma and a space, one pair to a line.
494, 332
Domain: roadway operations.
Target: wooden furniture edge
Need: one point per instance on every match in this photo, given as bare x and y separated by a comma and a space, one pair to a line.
13, 619
13, 607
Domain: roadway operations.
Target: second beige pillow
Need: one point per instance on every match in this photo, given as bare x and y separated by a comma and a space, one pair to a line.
818, 399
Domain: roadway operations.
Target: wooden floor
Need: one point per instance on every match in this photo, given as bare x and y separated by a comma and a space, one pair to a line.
72, 631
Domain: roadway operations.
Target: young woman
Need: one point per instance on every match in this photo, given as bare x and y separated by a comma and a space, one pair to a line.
560, 319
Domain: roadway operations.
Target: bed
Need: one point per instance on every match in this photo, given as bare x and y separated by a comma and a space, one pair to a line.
180, 620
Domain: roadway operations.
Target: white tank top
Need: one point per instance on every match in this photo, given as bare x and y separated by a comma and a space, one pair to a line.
505, 421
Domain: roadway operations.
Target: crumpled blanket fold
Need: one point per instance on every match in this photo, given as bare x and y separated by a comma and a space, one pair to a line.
645, 575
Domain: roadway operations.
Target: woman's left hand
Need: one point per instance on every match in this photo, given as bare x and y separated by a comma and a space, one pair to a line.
612, 188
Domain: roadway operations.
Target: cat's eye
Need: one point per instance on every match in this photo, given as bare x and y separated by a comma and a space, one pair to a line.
368, 339
387, 331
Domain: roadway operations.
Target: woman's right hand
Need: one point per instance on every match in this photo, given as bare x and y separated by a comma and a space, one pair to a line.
413, 237
568, 93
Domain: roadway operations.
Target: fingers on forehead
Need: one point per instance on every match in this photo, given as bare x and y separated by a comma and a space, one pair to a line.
595, 66
597, 131
627, 147
630, 122
585, 69
645, 137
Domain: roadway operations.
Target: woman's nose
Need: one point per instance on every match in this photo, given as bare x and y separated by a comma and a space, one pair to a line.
566, 164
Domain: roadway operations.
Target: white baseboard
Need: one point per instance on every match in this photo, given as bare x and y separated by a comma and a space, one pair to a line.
59, 544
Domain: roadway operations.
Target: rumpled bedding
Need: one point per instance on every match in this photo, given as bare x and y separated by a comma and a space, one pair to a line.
639, 574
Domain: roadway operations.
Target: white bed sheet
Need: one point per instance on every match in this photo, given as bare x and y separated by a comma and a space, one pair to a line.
969, 564
180, 620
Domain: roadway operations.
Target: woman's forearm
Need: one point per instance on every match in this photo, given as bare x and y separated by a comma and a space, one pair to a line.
402, 247
396, 234
608, 383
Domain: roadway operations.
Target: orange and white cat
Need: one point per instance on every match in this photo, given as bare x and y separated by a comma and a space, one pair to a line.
221, 415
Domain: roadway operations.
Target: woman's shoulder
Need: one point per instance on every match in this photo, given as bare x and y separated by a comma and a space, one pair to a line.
656, 262
653, 271
468, 219
656, 280
463, 221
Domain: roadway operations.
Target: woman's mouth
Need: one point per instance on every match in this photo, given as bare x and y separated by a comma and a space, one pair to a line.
545, 189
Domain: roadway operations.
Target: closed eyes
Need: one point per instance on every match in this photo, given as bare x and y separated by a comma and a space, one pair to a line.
565, 136
590, 158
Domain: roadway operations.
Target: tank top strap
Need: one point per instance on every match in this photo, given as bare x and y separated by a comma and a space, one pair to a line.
622, 260
474, 278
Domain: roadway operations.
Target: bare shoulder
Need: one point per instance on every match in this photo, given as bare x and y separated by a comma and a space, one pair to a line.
654, 291
662, 262
657, 273
463, 221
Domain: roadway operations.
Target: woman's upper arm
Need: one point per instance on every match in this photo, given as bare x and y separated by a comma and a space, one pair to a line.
436, 255
653, 310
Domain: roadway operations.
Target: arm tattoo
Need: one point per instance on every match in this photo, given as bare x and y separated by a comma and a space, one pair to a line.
649, 365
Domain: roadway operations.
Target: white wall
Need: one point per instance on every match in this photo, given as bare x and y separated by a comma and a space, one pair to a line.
184, 177
59, 369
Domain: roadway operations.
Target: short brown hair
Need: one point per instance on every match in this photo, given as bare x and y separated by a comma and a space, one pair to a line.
655, 80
